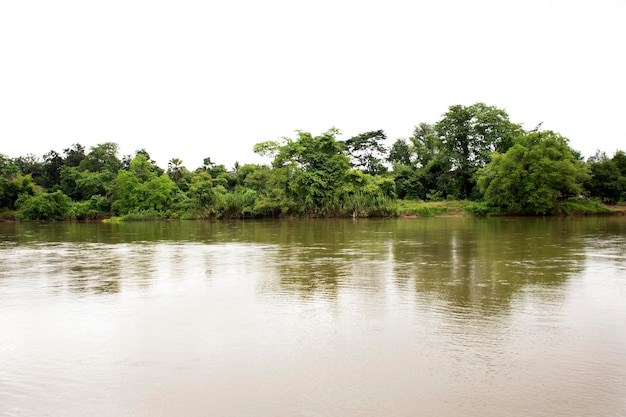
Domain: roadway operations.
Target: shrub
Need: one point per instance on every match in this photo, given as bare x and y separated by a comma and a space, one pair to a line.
480, 209
94, 208
45, 206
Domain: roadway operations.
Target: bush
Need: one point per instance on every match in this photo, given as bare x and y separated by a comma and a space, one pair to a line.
45, 206
363, 205
237, 204
581, 206
94, 208
7, 215
480, 209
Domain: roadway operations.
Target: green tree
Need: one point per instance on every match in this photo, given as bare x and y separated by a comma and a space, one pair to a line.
605, 180
153, 164
532, 175
239, 203
619, 159
13, 186
102, 157
470, 134
203, 194
175, 170
423, 168
426, 144
365, 195
219, 173
83, 176
74, 155
32, 165
51, 170
143, 187
13, 183
400, 153
44, 206
316, 167
367, 152
271, 188
270, 148
81, 185
5, 162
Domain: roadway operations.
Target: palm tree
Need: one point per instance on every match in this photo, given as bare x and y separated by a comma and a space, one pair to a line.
175, 170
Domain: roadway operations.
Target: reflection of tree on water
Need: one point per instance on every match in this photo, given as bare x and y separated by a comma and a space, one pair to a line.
483, 265
93, 270
480, 263
310, 270
88, 280
322, 256
475, 263
609, 242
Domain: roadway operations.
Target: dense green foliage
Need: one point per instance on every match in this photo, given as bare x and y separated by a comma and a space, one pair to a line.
469, 136
474, 154
608, 177
44, 206
532, 175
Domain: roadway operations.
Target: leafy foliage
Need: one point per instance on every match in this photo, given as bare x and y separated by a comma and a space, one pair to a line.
364, 195
367, 152
606, 181
102, 157
143, 187
44, 206
531, 176
13, 187
427, 146
472, 153
400, 153
316, 168
469, 136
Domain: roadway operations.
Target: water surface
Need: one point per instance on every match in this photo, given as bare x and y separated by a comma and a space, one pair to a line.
404, 317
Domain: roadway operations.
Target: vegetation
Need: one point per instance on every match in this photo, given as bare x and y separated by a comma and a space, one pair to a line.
474, 160
433, 208
536, 172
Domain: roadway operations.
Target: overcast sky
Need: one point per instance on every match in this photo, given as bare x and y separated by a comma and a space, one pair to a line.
196, 79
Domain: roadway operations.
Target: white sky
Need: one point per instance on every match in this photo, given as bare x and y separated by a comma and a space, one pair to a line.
192, 79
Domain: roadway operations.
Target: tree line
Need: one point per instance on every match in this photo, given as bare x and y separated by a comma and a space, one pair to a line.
473, 153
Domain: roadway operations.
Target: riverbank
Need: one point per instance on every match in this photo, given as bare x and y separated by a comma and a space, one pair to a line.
462, 208
619, 209
416, 209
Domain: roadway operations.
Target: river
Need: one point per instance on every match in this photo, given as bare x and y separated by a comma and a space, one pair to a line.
378, 317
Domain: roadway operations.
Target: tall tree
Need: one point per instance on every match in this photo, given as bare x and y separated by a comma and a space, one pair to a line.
51, 172
367, 152
426, 144
154, 166
74, 155
620, 161
400, 153
176, 170
605, 180
81, 185
315, 166
102, 157
30, 164
470, 134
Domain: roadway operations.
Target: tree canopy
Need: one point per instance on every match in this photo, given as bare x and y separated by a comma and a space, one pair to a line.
470, 135
473, 152
532, 175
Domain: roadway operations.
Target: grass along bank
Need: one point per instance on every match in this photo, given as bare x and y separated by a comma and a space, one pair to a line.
578, 206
